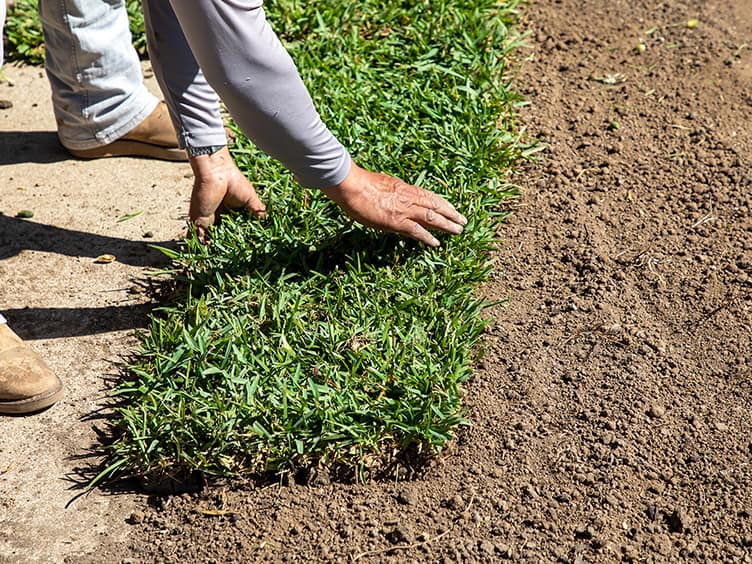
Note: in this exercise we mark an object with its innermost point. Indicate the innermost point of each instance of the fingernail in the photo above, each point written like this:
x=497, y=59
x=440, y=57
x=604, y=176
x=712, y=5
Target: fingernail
x=463, y=219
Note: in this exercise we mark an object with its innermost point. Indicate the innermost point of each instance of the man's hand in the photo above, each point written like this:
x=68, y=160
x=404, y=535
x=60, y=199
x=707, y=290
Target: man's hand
x=218, y=186
x=389, y=204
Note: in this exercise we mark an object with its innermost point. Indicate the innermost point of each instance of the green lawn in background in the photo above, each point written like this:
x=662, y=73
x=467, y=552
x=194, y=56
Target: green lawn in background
x=307, y=339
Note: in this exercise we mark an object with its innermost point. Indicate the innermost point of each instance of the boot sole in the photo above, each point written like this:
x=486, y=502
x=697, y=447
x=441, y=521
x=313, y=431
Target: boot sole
x=128, y=148
x=32, y=404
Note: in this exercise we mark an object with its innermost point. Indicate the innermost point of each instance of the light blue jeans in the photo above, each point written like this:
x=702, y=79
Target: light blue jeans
x=98, y=93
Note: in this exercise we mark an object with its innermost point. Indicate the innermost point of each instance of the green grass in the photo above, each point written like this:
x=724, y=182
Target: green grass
x=23, y=31
x=306, y=339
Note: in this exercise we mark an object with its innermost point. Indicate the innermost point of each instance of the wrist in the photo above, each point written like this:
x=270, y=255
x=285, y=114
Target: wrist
x=205, y=150
x=209, y=163
x=351, y=184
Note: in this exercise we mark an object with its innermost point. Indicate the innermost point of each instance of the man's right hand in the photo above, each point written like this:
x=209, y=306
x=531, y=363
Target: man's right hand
x=389, y=204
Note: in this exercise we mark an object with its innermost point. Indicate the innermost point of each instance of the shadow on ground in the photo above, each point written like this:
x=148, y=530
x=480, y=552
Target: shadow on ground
x=58, y=322
x=31, y=147
x=18, y=235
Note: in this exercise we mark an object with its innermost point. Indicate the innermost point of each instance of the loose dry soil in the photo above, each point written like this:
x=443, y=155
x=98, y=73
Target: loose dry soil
x=611, y=410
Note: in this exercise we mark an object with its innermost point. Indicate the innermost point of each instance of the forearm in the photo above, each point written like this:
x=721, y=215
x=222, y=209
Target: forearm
x=257, y=80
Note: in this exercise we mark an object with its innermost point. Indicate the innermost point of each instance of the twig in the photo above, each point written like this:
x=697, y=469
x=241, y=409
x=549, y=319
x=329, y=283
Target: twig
x=216, y=512
x=705, y=219
x=417, y=544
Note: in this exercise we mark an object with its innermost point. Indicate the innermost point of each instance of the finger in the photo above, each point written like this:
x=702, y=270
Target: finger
x=419, y=233
x=434, y=220
x=254, y=204
x=203, y=235
x=201, y=225
x=433, y=201
x=447, y=210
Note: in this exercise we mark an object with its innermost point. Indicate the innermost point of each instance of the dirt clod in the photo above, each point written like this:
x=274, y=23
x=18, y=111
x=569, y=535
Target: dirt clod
x=678, y=522
x=656, y=411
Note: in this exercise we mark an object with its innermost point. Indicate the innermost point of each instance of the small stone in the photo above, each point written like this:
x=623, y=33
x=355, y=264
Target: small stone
x=148, y=235
x=656, y=411
x=505, y=550
x=135, y=518
x=656, y=487
x=600, y=543
x=630, y=553
x=5, y=104
x=583, y=532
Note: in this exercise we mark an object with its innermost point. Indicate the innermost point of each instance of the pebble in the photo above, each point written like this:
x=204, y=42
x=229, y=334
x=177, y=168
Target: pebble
x=630, y=553
x=657, y=487
x=656, y=411
x=136, y=518
x=600, y=543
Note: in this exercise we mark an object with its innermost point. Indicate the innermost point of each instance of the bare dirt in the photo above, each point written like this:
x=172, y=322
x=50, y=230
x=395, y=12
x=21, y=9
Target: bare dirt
x=611, y=410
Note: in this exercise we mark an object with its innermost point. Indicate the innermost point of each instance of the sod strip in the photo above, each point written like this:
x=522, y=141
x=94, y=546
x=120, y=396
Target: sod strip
x=307, y=339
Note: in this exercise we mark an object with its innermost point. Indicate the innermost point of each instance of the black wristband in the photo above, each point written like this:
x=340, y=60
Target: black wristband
x=207, y=150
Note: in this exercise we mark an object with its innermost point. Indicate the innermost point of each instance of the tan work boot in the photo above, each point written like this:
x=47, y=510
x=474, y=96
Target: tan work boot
x=26, y=382
x=153, y=138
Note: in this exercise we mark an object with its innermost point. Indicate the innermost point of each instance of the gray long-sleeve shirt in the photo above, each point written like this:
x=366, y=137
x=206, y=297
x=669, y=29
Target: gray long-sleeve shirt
x=243, y=60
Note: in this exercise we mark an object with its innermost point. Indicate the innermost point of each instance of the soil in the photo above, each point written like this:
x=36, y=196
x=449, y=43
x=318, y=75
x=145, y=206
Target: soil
x=611, y=409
